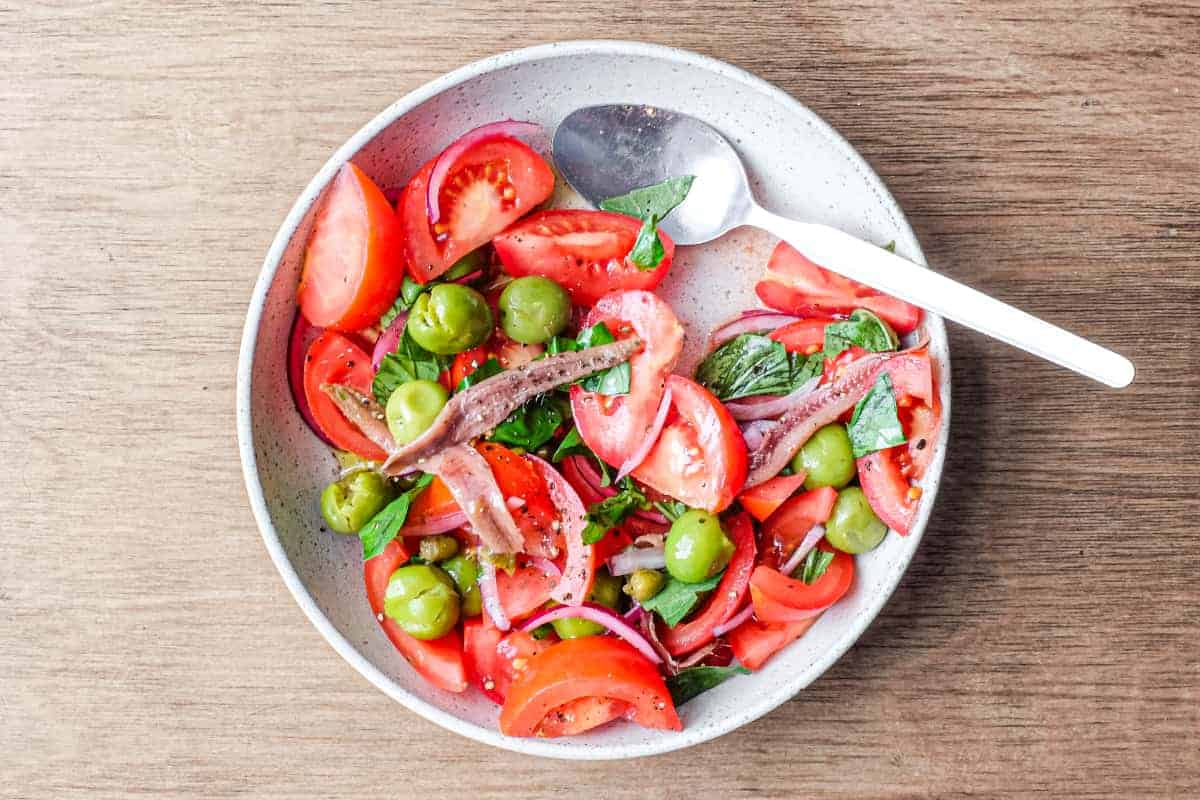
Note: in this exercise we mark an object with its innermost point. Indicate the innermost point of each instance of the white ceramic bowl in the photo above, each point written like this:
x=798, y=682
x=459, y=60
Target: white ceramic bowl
x=798, y=166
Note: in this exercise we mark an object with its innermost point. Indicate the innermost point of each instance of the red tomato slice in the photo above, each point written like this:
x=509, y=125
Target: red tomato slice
x=922, y=424
x=436, y=501
x=580, y=716
x=333, y=358
x=494, y=657
x=526, y=590
x=700, y=457
x=779, y=598
x=537, y=515
x=466, y=363
x=887, y=489
x=490, y=186
x=725, y=601
x=763, y=500
x=586, y=252
x=439, y=661
x=785, y=529
x=353, y=265
x=613, y=427
x=594, y=666
x=805, y=337
x=753, y=642
x=798, y=286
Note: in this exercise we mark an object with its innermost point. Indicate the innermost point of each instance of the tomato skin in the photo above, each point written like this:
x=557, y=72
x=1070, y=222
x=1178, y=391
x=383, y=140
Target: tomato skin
x=493, y=656
x=586, y=252
x=804, y=337
x=754, y=642
x=725, y=600
x=613, y=427
x=473, y=208
x=334, y=358
x=798, y=286
x=778, y=598
x=465, y=363
x=887, y=489
x=352, y=265
x=922, y=424
x=785, y=529
x=763, y=500
x=524, y=591
x=700, y=457
x=580, y=716
x=439, y=661
x=594, y=666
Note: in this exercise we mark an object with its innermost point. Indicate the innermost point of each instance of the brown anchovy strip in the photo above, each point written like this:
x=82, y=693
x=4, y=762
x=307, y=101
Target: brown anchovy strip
x=363, y=411
x=813, y=411
x=471, y=482
x=485, y=405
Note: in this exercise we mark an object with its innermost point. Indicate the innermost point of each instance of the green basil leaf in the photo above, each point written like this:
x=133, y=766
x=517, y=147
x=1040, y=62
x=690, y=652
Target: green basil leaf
x=752, y=364
x=698, y=680
x=875, y=424
x=385, y=525
x=890, y=246
x=410, y=362
x=677, y=599
x=648, y=251
x=561, y=344
x=612, y=381
x=482, y=372
x=531, y=425
x=672, y=509
x=612, y=511
x=650, y=204
x=864, y=330
x=814, y=566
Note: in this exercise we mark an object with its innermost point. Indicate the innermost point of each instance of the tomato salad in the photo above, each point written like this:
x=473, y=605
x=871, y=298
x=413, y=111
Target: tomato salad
x=549, y=513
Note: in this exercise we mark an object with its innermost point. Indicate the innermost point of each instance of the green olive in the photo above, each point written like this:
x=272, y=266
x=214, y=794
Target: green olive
x=854, y=527
x=826, y=458
x=465, y=571
x=350, y=503
x=697, y=547
x=422, y=600
x=449, y=319
x=413, y=407
x=533, y=309
x=438, y=548
x=644, y=584
x=607, y=592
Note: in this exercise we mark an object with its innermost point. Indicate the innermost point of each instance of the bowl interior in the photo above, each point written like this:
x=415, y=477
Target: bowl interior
x=798, y=166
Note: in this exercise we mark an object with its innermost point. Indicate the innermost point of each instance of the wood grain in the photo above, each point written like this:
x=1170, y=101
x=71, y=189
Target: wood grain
x=1044, y=641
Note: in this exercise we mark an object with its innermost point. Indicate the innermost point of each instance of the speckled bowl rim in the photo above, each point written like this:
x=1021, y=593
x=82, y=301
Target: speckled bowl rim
x=759, y=704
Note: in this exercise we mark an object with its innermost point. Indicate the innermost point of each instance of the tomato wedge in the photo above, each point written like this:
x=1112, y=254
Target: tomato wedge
x=594, y=666
x=491, y=185
x=334, y=358
x=778, y=598
x=887, y=489
x=465, y=363
x=725, y=601
x=798, y=286
x=580, y=716
x=523, y=591
x=922, y=424
x=536, y=516
x=439, y=661
x=493, y=657
x=613, y=427
x=700, y=457
x=753, y=642
x=586, y=252
x=785, y=529
x=353, y=265
x=806, y=336
x=763, y=500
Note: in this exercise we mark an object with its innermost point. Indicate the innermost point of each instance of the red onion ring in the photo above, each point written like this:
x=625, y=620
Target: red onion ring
x=435, y=525
x=731, y=623
x=601, y=615
x=814, y=535
x=631, y=559
x=468, y=277
x=768, y=406
x=579, y=482
x=652, y=516
x=591, y=476
x=640, y=452
x=387, y=341
x=489, y=592
x=635, y=614
x=505, y=129
x=545, y=565
x=754, y=321
x=302, y=335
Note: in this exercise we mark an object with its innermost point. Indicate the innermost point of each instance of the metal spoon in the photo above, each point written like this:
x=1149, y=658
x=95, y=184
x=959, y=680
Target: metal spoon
x=606, y=151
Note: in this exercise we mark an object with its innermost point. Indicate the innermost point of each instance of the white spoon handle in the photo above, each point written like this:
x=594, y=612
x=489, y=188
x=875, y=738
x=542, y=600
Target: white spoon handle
x=899, y=277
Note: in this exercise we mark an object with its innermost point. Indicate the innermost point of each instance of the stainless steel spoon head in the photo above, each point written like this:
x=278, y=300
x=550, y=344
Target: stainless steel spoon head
x=606, y=151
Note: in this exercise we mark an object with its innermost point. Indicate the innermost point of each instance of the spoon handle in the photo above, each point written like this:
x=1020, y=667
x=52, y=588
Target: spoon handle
x=899, y=277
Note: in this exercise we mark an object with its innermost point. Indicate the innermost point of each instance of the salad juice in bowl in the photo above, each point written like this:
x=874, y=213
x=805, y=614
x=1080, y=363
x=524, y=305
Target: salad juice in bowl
x=544, y=477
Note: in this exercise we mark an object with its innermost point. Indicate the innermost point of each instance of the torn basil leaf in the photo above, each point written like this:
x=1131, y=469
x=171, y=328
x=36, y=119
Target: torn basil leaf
x=386, y=525
x=863, y=329
x=677, y=599
x=410, y=362
x=650, y=204
x=533, y=424
x=814, y=566
x=753, y=364
x=612, y=511
x=698, y=680
x=875, y=424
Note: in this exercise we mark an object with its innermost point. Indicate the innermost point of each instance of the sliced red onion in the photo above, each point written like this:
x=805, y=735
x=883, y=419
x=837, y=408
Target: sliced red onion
x=640, y=452
x=755, y=321
x=631, y=559
x=652, y=516
x=580, y=568
x=387, y=341
x=591, y=476
x=814, y=535
x=303, y=334
x=489, y=592
x=583, y=487
x=435, y=525
x=545, y=565
x=635, y=613
x=731, y=623
x=468, y=277
x=769, y=406
x=601, y=615
x=754, y=431
x=505, y=129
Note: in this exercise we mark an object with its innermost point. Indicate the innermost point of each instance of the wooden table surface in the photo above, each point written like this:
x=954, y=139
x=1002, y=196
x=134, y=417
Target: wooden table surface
x=1045, y=640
